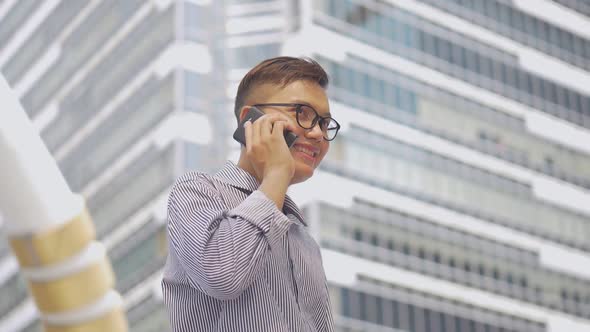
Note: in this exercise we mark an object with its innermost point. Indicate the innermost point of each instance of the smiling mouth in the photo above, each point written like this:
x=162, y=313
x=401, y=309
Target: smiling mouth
x=305, y=151
x=306, y=156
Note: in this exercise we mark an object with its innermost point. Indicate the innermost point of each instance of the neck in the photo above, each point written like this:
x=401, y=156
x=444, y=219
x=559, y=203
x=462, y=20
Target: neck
x=245, y=164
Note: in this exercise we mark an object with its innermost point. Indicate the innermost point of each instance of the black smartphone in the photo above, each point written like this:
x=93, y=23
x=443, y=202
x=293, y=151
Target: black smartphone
x=253, y=114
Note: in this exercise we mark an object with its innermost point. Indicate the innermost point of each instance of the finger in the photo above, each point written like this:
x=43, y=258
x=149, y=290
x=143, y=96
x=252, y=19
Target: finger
x=289, y=122
x=259, y=127
x=279, y=117
x=278, y=128
x=266, y=126
x=248, y=133
x=289, y=125
x=274, y=117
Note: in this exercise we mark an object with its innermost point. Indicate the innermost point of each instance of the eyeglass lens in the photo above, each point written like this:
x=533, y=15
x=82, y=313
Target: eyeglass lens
x=308, y=118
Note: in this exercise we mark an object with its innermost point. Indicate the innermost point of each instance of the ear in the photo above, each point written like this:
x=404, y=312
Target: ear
x=243, y=112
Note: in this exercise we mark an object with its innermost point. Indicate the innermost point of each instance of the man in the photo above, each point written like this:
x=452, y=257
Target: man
x=240, y=257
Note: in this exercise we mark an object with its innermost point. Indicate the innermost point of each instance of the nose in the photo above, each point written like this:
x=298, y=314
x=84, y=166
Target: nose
x=315, y=132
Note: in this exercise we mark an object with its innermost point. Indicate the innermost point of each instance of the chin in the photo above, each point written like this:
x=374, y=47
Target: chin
x=302, y=173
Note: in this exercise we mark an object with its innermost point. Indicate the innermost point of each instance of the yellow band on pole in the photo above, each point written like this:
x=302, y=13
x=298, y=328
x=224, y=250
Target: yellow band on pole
x=55, y=245
x=112, y=321
x=75, y=290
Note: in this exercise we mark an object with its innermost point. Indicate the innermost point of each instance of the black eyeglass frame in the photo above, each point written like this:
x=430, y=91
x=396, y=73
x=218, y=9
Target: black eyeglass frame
x=298, y=107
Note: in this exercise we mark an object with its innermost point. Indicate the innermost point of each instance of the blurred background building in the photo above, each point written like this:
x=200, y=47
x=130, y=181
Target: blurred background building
x=456, y=198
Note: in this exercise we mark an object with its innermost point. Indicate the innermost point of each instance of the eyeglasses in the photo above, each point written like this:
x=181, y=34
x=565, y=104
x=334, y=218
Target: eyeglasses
x=307, y=118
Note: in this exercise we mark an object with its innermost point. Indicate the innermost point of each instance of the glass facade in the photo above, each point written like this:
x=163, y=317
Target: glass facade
x=580, y=6
x=387, y=236
x=82, y=45
x=108, y=77
x=372, y=306
x=131, y=189
x=125, y=127
x=401, y=33
x=18, y=13
x=148, y=316
x=139, y=258
x=515, y=24
x=39, y=41
x=420, y=105
x=249, y=56
x=449, y=183
x=13, y=291
x=112, y=100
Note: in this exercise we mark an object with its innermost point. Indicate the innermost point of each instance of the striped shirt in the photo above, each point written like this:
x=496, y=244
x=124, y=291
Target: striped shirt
x=237, y=263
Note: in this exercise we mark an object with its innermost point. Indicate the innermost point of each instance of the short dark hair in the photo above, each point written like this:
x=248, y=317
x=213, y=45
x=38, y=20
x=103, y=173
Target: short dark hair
x=282, y=71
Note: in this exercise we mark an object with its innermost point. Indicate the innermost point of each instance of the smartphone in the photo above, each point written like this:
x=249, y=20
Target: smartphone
x=253, y=114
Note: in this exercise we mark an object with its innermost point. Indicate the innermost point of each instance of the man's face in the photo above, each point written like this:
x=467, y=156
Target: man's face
x=301, y=92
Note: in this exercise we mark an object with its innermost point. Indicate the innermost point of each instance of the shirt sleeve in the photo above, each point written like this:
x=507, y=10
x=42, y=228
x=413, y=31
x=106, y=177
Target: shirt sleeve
x=222, y=250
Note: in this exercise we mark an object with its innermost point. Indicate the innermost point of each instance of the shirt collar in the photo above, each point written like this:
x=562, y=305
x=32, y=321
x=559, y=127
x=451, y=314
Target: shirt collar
x=235, y=176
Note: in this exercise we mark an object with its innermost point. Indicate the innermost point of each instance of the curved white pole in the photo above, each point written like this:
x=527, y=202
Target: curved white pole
x=51, y=233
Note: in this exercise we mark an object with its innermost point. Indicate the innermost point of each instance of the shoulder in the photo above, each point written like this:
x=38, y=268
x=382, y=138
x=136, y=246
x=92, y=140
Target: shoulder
x=193, y=177
x=193, y=182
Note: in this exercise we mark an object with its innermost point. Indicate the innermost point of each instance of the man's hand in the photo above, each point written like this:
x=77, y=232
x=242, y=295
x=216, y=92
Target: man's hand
x=269, y=154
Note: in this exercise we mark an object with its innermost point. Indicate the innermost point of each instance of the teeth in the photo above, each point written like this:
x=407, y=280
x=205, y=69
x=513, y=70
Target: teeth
x=306, y=151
